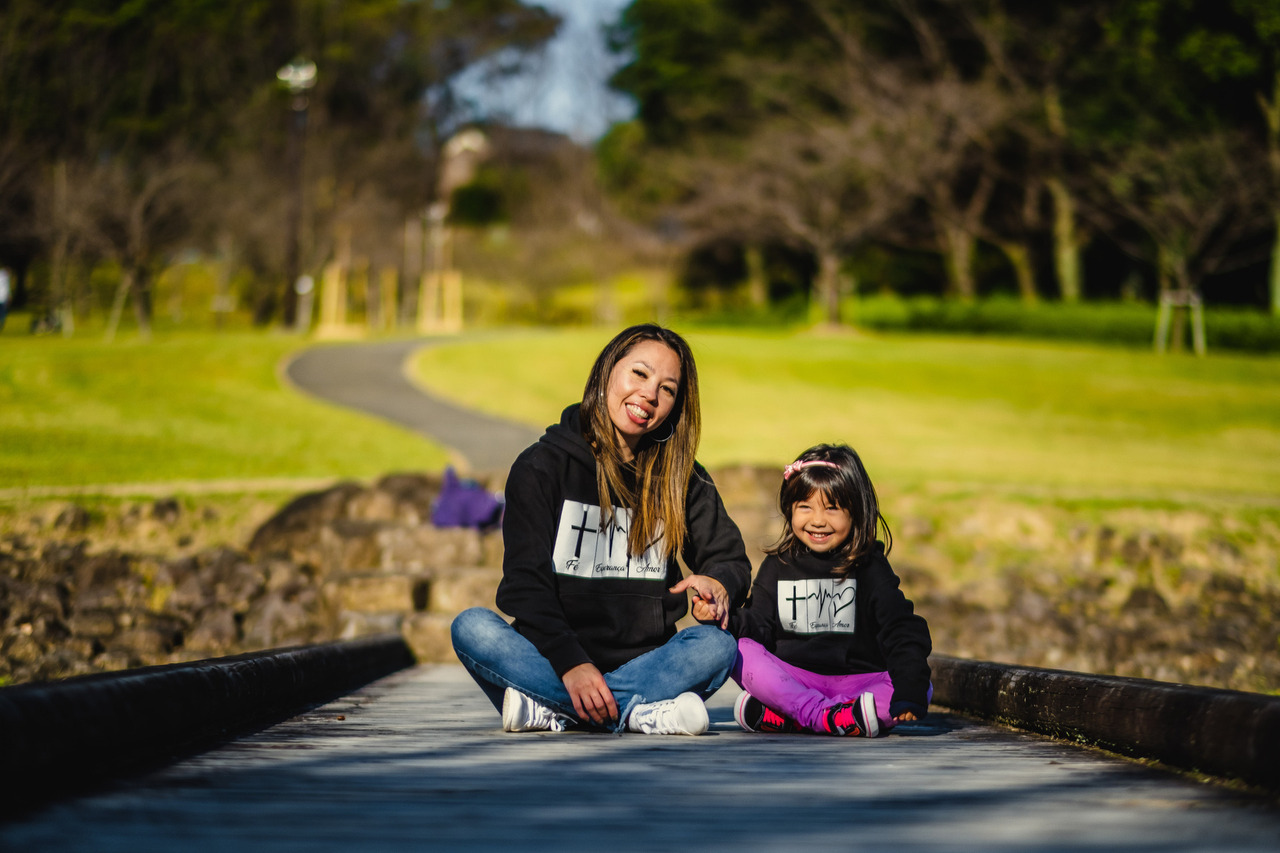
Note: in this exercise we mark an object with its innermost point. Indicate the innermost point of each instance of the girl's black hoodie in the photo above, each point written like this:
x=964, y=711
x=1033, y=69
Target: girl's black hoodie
x=571, y=587
x=810, y=618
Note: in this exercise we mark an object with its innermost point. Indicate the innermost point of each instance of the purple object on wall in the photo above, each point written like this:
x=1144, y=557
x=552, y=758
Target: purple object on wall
x=465, y=503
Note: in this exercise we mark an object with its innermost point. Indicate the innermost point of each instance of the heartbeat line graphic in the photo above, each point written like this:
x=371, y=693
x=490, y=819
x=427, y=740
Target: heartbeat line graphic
x=826, y=598
x=817, y=605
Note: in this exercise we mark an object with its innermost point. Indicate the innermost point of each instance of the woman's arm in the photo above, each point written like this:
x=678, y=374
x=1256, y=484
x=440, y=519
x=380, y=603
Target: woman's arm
x=528, y=590
x=713, y=544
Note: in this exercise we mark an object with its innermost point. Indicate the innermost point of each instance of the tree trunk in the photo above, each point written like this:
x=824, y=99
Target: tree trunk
x=1271, y=113
x=1066, y=236
x=1275, y=271
x=59, y=251
x=757, y=284
x=959, y=245
x=117, y=305
x=1066, y=242
x=1019, y=256
x=264, y=308
x=827, y=287
x=142, y=302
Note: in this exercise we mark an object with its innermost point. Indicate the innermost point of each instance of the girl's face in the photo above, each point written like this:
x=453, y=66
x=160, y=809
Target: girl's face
x=820, y=524
x=642, y=392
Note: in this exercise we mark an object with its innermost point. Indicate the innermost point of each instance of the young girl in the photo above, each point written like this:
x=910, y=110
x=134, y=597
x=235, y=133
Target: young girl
x=827, y=642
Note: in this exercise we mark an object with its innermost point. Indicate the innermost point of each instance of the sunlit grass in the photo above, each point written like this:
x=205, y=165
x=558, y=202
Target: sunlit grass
x=920, y=410
x=190, y=406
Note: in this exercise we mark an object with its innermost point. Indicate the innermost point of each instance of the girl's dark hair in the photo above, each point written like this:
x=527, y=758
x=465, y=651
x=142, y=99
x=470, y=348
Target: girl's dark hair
x=663, y=463
x=848, y=487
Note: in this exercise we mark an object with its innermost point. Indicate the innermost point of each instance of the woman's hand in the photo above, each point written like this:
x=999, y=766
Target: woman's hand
x=711, y=593
x=592, y=698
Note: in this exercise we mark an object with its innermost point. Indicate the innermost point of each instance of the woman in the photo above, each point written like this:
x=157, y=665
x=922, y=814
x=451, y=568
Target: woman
x=597, y=511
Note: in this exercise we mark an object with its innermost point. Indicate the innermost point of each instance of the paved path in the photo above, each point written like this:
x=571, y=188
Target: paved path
x=370, y=377
x=417, y=762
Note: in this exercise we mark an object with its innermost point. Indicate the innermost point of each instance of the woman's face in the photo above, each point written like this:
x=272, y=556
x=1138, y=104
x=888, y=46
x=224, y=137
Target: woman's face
x=642, y=392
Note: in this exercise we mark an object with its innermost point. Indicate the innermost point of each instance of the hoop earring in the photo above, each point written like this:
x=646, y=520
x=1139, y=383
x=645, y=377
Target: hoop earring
x=671, y=430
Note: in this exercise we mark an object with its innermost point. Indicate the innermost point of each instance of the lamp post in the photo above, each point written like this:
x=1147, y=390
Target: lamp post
x=298, y=77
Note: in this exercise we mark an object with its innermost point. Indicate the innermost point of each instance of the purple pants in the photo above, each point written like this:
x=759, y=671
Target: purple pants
x=804, y=696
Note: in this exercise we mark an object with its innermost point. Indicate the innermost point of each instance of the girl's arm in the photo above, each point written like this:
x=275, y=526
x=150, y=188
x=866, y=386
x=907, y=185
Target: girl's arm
x=758, y=618
x=903, y=636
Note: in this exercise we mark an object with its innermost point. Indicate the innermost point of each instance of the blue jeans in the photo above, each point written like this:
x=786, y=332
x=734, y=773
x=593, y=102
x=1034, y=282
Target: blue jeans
x=697, y=659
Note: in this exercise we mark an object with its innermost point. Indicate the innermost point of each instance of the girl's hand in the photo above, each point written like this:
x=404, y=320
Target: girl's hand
x=702, y=611
x=592, y=698
x=905, y=715
x=711, y=593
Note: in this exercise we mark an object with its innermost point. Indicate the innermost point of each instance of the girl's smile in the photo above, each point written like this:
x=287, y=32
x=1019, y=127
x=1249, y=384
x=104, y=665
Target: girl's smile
x=819, y=524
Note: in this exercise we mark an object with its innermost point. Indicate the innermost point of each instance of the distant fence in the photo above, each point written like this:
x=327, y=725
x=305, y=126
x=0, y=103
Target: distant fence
x=61, y=737
x=1222, y=733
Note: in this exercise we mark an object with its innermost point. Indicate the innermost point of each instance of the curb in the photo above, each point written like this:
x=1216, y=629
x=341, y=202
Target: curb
x=61, y=737
x=1222, y=733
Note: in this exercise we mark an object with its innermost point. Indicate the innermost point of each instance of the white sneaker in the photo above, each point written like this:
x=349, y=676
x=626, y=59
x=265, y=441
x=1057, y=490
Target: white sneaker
x=522, y=714
x=683, y=715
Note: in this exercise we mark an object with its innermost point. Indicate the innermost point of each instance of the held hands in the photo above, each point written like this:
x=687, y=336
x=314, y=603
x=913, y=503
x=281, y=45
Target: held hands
x=592, y=698
x=710, y=599
x=702, y=611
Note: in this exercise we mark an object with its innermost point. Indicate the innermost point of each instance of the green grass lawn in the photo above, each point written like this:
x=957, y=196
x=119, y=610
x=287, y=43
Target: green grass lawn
x=1067, y=418
x=1097, y=421
x=185, y=406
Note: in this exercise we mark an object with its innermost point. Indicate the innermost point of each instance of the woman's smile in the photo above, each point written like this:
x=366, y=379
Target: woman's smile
x=642, y=392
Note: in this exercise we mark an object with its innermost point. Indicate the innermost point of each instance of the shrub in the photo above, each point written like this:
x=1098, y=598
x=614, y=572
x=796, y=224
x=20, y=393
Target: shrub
x=1123, y=323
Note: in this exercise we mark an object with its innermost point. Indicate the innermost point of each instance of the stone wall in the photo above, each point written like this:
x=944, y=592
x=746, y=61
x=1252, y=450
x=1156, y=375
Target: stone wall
x=1184, y=596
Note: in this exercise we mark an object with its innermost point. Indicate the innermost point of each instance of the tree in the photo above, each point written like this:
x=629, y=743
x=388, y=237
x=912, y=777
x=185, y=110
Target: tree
x=1192, y=199
x=850, y=114
x=133, y=81
x=1046, y=55
x=130, y=216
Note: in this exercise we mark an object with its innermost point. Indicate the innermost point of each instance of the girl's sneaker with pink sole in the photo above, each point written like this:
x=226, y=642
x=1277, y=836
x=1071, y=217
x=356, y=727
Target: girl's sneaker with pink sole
x=854, y=719
x=755, y=716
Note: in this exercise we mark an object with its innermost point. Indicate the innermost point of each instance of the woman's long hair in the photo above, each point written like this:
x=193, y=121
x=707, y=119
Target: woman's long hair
x=663, y=463
x=847, y=486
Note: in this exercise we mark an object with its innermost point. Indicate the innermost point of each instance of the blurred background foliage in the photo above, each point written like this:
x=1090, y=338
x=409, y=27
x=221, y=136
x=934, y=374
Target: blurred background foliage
x=1046, y=169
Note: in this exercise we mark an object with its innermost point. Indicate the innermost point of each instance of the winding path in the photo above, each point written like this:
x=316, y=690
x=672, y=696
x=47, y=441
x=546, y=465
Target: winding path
x=371, y=378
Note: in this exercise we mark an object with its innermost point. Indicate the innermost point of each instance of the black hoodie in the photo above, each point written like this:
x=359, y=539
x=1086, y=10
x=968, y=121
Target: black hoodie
x=811, y=619
x=572, y=588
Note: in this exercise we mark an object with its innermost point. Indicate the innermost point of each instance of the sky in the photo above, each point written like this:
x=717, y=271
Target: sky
x=565, y=89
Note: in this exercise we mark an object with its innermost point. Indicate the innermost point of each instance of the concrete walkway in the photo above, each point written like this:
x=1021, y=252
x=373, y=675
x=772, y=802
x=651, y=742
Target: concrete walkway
x=370, y=377
x=417, y=762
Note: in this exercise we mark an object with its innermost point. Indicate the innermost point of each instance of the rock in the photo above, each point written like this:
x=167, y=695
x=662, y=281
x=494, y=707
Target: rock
x=412, y=494
x=354, y=624
x=428, y=636
x=214, y=632
x=72, y=517
x=296, y=523
x=166, y=510
x=451, y=592
x=346, y=545
x=93, y=624
x=426, y=547
x=375, y=593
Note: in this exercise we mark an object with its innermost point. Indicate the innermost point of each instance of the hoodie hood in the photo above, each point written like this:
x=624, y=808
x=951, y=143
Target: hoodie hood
x=567, y=436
